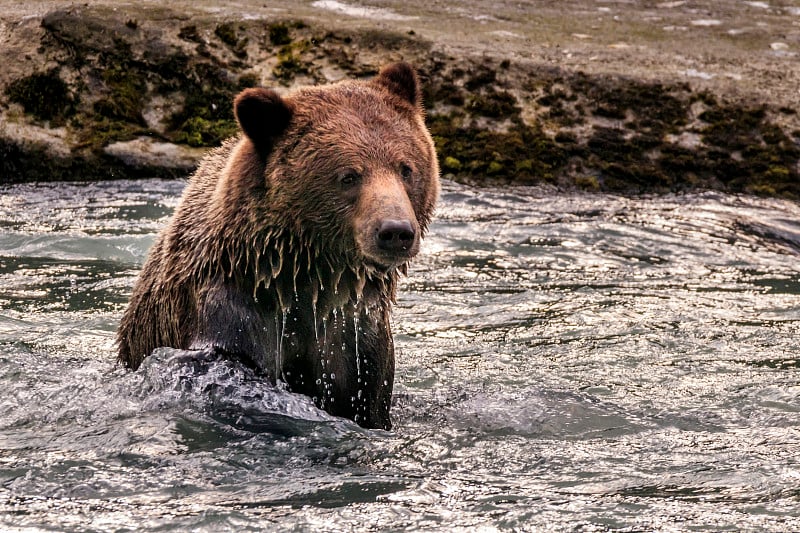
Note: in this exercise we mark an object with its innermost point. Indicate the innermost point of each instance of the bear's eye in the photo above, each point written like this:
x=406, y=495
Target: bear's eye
x=406, y=172
x=349, y=178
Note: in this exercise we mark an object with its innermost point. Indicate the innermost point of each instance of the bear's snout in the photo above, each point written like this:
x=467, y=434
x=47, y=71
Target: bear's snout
x=387, y=231
x=395, y=236
x=392, y=241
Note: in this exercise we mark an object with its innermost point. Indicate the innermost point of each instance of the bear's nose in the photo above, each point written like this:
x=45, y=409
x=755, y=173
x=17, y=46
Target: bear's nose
x=395, y=235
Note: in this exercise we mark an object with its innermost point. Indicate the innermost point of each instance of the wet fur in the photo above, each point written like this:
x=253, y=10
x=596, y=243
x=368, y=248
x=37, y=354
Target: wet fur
x=263, y=257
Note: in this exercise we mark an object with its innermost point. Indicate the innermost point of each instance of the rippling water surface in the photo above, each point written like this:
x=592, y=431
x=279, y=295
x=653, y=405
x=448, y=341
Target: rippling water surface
x=565, y=362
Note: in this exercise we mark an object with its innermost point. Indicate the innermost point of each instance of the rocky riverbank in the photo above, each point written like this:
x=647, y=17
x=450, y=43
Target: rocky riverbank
x=101, y=90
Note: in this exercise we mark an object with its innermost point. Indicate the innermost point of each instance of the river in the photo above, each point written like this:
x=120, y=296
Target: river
x=565, y=362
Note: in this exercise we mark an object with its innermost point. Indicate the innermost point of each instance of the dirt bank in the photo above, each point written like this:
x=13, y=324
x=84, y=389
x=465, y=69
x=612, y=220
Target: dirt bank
x=628, y=97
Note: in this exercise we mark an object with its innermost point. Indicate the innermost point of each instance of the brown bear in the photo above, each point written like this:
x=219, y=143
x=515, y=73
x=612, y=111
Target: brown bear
x=286, y=247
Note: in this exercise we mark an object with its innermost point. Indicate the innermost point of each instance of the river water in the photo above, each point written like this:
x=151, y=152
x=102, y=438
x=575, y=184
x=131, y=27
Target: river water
x=565, y=362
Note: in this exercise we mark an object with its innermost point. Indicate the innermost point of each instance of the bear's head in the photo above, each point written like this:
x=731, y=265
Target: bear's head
x=350, y=165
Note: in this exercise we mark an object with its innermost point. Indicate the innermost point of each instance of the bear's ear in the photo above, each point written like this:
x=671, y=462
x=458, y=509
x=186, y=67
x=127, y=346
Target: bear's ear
x=262, y=115
x=401, y=79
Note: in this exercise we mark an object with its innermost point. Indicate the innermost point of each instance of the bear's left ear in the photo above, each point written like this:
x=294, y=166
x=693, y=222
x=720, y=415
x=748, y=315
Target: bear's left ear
x=401, y=79
x=262, y=114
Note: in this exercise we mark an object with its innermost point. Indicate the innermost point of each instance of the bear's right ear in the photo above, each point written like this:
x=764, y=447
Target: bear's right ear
x=401, y=80
x=262, y=115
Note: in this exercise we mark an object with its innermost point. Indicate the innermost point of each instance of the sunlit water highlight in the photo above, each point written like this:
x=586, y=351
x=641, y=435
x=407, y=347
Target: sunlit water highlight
x=565, y=362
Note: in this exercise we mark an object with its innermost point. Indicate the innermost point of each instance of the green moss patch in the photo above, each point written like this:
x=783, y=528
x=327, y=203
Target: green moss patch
x=607, y=133
x=129, y=68
x=493, y=104
x=279, y=34
x=125, y=98
x=44, y=95
x=229, y=33
x=522, y=153
x=206, y=118
x=198, y=131
x=291, y=62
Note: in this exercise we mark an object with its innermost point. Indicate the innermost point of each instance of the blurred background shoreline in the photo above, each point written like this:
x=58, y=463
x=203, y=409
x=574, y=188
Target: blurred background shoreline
x=624, y=97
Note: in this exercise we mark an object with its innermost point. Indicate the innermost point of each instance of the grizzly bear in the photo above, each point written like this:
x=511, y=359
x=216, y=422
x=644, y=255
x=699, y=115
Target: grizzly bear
x=287, y=244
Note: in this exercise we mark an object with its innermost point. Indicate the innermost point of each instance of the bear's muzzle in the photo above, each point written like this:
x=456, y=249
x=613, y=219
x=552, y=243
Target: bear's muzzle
x=395, y=236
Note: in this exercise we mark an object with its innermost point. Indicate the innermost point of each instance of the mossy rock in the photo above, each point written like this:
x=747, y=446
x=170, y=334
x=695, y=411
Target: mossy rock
x=206, y=118
x=494, y=168
x=494, y=104
x=228, y=33
x=279, y=34
x=85, y=34
x=451, y=163
x=101, y=132
x=290, y=61
x=526, y=165
x=732, y=128
x=44, y=95
x=588, y=183
x=198, y=131
x=591, y=131
x=496, y=153
x=125, y=101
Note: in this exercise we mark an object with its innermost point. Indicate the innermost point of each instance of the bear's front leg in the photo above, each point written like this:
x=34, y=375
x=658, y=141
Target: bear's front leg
x=374, y=375
x=231, y=321
x=347, y=366
x=345, y=363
